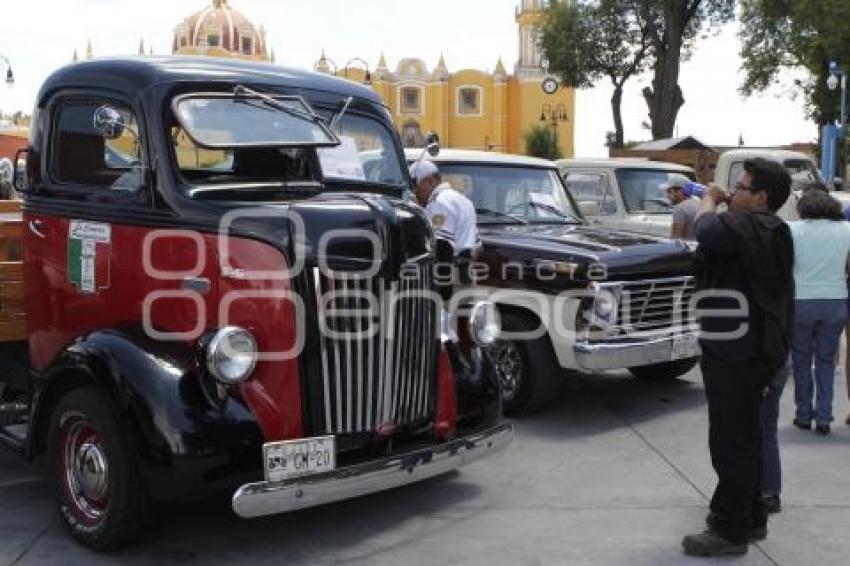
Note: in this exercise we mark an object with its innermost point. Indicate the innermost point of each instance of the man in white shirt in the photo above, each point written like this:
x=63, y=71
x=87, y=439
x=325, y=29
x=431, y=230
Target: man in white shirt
x=685, y=207
x=451, y=214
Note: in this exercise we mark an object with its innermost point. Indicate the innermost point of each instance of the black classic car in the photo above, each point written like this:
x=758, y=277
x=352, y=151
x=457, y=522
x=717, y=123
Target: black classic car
x=219, y=295
x=571, y=295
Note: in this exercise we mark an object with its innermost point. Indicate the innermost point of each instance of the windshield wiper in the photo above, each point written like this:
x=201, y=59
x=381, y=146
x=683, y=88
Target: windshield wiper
x=335, y=121
x=491, y=212
x=554, y=210
x=243, y=94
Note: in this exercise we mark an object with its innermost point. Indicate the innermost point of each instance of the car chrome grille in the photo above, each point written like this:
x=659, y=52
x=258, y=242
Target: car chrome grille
x=657, y=305
x=382, y=379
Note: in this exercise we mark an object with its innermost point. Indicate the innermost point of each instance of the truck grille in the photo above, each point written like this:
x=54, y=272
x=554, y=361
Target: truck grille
x=655, y=305
x=376, y=370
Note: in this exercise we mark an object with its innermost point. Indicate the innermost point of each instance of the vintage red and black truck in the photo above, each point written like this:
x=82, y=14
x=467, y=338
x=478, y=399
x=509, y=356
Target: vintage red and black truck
x=206, y=288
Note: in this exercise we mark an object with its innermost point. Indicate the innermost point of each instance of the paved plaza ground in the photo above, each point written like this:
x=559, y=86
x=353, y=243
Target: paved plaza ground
x=614, y=472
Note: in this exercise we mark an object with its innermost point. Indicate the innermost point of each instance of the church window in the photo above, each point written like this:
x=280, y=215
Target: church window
x=247, y=45
x=183, y=41
x=469, y=101
x=213, y=40
x=411, y=100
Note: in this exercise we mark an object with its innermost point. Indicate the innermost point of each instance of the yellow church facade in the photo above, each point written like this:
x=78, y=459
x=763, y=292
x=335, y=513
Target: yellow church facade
x=469, y=108
x=472, y=109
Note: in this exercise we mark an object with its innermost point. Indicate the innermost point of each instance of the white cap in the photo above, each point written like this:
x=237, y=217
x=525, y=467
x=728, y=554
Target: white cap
x=674, y=181
x=423, y=169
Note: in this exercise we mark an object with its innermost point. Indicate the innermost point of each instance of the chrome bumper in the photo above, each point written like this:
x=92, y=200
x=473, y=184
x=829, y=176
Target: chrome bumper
x=597, y=356
x=266, y=498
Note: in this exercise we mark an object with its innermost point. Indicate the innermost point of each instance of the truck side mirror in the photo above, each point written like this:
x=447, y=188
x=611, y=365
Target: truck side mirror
x=19, y=176
x=432, y=144
x=109, y=122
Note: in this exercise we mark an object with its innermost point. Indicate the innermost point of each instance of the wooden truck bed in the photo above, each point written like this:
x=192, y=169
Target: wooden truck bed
x=13, y=322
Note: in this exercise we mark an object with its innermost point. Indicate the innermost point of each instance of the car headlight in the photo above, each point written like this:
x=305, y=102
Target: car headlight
x=484, y=323
x=231, y=355
x=604, y=306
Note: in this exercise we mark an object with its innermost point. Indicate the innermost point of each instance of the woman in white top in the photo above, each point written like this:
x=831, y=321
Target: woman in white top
x=821, y=248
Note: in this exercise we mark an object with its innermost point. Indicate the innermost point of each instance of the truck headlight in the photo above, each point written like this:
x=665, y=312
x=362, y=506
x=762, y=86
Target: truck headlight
x=484, y=323
x=231, y=355
x=604, y=306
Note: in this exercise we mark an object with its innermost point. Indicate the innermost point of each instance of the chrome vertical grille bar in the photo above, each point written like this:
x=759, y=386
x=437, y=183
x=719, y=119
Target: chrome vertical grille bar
x=390, y=365
x=340, y=422
x=347, y=285
x=317, y=287
x=410, y=350
x=358, y=337
x=382, y=352
x=370, y=359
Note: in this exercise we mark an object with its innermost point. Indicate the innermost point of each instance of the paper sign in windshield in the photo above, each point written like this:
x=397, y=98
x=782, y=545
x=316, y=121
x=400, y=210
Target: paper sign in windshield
x=342, y=161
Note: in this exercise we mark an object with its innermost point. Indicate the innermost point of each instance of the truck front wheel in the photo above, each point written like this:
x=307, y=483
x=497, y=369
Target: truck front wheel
x=526, y=369
x=99, y=492
x=664, y=371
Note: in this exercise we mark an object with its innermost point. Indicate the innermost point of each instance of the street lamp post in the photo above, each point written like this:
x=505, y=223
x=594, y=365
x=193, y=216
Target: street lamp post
x=831, y=133
x=367, y=79
x=553, y=117
x=10, y=77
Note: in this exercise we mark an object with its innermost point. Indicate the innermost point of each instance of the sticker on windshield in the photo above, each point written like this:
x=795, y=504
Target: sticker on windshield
x=89, y=248
x=342, y=161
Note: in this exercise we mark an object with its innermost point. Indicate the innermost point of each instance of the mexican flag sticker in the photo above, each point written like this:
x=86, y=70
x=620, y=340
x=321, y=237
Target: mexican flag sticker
x=89, y=247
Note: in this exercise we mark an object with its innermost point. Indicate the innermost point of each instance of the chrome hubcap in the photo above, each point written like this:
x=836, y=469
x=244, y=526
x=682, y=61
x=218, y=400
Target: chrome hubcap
x=86, y=469
x=507, y=363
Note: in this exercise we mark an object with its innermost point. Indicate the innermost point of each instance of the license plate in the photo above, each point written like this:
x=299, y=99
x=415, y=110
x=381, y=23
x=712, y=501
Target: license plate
x=294, y=458
x=684, y=347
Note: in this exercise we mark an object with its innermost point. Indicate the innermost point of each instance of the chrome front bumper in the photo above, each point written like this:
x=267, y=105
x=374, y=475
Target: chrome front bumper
x=597, y=356
x=266, y=498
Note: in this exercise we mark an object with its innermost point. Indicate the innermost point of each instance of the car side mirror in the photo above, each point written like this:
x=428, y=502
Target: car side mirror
x=109, y=122
x=589, y=208
x=432, y=144
x=19, y=175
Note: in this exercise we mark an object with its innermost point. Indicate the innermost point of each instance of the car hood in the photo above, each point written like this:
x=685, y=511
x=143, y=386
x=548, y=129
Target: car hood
x=625, y=255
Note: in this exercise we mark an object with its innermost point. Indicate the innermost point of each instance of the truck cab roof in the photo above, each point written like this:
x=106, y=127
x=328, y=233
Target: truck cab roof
x=130, y=75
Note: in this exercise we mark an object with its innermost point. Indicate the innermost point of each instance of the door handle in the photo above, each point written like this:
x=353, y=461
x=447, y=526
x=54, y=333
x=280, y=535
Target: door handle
x=38, y=228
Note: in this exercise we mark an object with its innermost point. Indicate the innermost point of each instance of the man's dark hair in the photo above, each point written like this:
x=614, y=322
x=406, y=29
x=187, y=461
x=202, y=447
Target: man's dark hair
x=772, y=178
x=818, y=205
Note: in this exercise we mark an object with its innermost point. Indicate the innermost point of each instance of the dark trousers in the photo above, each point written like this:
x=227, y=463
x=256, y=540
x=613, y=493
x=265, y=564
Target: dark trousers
x=735, y=393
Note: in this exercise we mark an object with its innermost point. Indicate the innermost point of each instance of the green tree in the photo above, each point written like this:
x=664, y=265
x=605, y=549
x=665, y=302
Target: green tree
x=542, y=142
x=806, y=35
x=674, y=28
x=586, y=42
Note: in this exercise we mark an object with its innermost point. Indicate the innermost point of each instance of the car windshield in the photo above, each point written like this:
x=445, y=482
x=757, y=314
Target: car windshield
x=803, y=170
x=642, y=190
x=512, y=194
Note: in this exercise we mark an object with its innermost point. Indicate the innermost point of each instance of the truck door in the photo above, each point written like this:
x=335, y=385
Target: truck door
x=86, y=226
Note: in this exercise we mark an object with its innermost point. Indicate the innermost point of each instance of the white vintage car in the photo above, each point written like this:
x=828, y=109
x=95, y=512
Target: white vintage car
x=624, y=193
x=801, y=166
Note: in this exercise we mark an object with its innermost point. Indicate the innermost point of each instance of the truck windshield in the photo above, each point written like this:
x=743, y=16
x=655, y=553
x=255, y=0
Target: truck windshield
x=364, y=152
x=642, y=190
x=510, y=194
x=226, y=121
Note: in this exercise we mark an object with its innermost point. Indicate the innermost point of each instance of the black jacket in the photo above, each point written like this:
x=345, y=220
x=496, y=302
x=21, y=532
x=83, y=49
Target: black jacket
x=752, y=253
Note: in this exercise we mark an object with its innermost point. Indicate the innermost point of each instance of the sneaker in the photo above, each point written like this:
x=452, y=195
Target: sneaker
x=708, y=544
x=822, y=430
x=802, y=424
x=755, y=534
x=772, y=504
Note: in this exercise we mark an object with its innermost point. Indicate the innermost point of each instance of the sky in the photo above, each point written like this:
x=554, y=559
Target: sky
x=42, y=35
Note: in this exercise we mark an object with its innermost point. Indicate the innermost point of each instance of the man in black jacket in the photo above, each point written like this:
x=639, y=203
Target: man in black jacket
x=744, y=262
